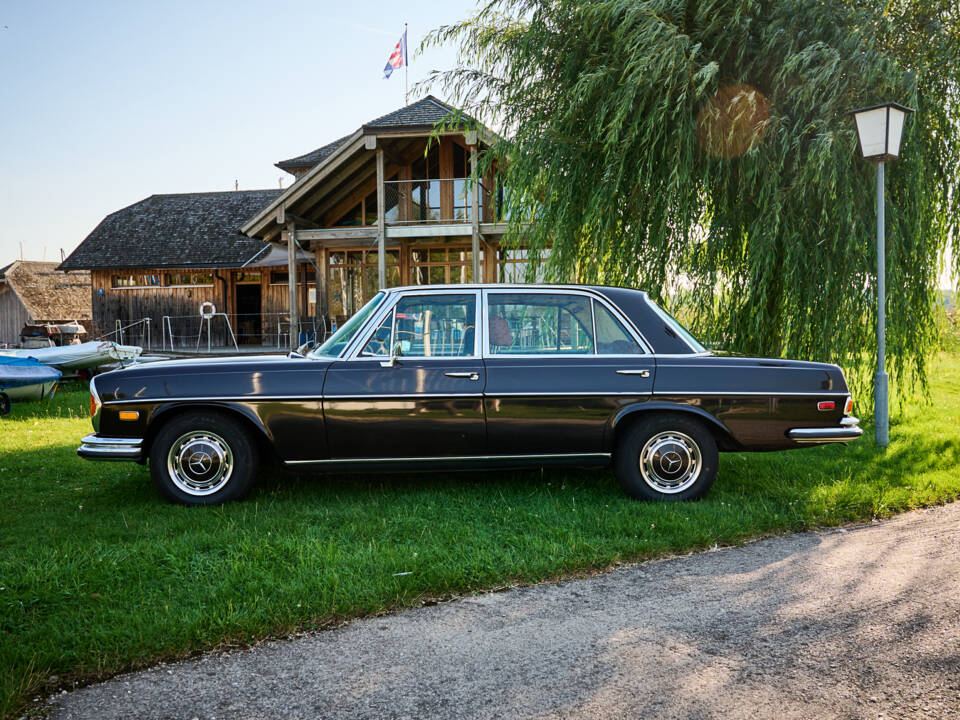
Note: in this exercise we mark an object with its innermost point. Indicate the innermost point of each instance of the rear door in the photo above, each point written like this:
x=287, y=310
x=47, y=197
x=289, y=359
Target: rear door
x=426, y=404
x=560, y=363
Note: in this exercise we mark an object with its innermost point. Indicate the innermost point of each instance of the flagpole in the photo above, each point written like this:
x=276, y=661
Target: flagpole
x=406, y=68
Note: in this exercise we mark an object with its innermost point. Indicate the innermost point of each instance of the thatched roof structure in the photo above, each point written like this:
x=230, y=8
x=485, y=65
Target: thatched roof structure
x=48, y=294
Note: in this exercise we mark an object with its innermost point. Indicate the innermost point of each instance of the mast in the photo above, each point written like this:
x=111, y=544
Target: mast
x=406, y=68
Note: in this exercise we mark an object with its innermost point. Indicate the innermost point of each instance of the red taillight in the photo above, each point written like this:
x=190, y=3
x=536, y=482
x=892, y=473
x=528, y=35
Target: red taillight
x=824, y=405
x=93, y=405
x=848, y=408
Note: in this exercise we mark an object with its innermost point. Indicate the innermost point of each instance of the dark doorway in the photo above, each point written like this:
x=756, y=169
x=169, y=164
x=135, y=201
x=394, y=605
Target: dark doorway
x=249, y=326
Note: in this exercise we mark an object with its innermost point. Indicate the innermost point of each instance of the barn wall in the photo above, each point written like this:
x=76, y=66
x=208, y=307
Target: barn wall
x=130, y=305
x=13, y=316
x=183, y=306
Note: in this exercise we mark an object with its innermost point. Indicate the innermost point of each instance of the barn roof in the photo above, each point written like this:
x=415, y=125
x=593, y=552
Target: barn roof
x=47, y=293
x=421, y=115
x=181, y=230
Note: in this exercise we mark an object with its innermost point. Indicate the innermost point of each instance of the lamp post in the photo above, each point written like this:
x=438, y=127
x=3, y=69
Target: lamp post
x=879, y=129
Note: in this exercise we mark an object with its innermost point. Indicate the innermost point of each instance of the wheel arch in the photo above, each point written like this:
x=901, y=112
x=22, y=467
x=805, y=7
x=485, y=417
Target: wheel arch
x=631, y=414
x=249, y=419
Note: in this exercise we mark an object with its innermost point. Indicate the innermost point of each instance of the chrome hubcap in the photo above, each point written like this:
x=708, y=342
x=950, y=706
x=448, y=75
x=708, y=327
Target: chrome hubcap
x=670, y=462
x=200, y=462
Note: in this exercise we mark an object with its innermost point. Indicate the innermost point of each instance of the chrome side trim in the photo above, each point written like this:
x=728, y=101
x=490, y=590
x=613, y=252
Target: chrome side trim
x=452, y=458
x=215, y=398
x=320, y=398
x=94, y=447
x=641, y=373
x=738, y=393
x=403, y=396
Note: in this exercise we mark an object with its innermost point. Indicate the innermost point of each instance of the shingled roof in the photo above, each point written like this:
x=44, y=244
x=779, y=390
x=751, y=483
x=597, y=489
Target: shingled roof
x=47, y=293
x=183, y=230
x=421, y=115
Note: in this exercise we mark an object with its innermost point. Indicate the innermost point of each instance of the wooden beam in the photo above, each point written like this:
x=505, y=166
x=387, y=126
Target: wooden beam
x=446, y=172
x=358, y=234
x=292, y=284
x=475, y=213
x=381, y=223
x=323, y=188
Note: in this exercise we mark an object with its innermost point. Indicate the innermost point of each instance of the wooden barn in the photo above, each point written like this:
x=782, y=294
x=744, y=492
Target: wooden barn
x=394, y=203
x=161, y=259
x=37, y=293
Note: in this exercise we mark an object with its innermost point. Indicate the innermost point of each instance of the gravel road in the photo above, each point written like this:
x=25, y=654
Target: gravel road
x=863, y=622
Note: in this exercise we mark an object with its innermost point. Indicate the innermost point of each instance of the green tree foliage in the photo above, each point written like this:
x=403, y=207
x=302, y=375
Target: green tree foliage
x=702, y=150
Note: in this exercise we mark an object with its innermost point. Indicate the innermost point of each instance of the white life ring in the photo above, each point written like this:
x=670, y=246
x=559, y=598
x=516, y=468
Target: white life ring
x=207, y=310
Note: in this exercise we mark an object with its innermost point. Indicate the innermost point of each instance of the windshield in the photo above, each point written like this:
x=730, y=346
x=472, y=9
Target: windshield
x=336, y=343
x=677, y=328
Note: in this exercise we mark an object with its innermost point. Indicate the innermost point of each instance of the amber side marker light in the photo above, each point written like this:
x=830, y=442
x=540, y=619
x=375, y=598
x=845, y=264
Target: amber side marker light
x=848, y=408
x=129, y=414
x=93, y=405
x=825, y=405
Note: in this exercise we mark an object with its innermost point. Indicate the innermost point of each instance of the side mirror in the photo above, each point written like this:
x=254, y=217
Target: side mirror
x=397, y=352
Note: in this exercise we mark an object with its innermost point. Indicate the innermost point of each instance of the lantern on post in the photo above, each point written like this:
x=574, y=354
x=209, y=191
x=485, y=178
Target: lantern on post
x=879, y=130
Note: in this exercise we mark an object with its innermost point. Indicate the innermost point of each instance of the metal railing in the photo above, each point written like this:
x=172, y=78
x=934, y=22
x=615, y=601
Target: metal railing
x=122, y=335
x=232, y=331
x=443, y=200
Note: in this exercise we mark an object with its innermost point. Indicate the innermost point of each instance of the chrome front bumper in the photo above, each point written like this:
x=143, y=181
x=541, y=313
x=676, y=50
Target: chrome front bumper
x=94, y=447
x=846, y=432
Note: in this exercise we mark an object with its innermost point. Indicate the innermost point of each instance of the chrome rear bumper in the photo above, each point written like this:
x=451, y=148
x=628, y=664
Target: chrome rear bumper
x=94, y=447
x=846, y=432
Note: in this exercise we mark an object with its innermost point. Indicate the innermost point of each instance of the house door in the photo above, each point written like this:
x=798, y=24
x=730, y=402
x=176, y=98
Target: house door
x=249, y=320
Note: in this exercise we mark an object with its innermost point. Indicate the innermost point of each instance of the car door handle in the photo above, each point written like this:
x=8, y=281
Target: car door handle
x=641, y=373
x=467, y=375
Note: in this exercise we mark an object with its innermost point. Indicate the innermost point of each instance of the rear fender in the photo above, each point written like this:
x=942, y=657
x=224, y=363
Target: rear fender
x=630, y=412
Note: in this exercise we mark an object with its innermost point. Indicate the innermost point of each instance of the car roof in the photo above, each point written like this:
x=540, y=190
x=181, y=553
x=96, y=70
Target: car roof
x=512, y=286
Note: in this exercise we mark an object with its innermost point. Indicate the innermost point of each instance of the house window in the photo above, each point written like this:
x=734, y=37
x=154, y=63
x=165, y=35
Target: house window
x=248, y=277
x=353, y=279
x=513, y=264
x=186, y=279
x=279, y=277
x=442, y=265
x=135, y=280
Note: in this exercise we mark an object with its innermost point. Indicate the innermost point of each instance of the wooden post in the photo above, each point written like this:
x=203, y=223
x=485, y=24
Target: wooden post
x=381, y=222
x=292, y=284
x=323, y=308
x=475, y=213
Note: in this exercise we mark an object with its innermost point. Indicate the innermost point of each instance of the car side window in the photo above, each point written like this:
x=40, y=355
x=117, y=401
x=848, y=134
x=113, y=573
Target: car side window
x=539, y=324
x=612, y=336
x=440, y=325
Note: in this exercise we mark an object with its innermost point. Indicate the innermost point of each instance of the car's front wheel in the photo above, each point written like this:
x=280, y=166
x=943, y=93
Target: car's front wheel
x=203, y=458
x=666, y=457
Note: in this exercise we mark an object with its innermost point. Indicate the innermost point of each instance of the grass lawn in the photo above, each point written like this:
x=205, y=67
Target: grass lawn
x=97, y=574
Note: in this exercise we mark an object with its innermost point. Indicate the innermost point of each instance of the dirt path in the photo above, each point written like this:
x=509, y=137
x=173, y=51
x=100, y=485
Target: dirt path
x=840, y=624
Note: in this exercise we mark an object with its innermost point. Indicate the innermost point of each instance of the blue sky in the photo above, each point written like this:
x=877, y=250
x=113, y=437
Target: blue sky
x=105, y=103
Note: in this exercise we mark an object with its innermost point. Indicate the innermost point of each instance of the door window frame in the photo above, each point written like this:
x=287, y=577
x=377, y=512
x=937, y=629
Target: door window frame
x=487, y=351
x=353, y=352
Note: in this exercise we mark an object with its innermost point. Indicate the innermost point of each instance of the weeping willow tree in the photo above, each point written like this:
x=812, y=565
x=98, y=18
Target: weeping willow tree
x=702, y=150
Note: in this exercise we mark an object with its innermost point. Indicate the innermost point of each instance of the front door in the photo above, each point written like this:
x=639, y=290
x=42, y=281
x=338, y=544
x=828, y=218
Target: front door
x=248, y=314
x=426, y=403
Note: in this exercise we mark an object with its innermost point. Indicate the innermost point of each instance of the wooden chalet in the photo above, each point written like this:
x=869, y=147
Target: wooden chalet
x=36, y=293
x=393, y=203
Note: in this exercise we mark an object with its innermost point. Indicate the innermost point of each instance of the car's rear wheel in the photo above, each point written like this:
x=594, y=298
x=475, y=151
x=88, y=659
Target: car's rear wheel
x=203, y=459
x=666, y=457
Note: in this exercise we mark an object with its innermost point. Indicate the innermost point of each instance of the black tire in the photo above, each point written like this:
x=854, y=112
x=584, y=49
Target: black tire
x=666, y=457
x=189, y=452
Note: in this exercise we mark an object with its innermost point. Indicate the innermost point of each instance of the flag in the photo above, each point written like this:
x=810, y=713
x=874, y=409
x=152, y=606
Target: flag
x=398, y=58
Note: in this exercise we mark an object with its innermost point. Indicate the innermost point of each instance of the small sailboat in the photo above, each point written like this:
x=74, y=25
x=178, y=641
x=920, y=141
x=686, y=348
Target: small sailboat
x=79, y=357
x=25, y=379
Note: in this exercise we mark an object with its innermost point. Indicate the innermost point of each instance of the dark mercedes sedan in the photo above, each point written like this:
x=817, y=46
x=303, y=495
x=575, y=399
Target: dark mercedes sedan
x=471, y=376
